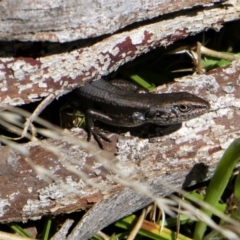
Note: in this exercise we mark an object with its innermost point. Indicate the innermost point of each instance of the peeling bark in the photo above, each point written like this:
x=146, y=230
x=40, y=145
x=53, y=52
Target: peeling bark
x=182, y=158
x=65, y=21
x=59, y=68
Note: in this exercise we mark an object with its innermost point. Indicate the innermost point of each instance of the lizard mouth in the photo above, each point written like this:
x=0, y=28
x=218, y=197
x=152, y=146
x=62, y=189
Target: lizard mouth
x=181, y=114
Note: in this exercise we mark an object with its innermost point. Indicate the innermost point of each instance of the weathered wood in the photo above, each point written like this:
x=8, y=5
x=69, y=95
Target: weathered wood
x=41, y=69
x=182, y=158
x=29, y=71
x=69, y=20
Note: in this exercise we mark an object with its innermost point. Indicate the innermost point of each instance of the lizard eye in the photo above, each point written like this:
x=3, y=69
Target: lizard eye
x=184, y=108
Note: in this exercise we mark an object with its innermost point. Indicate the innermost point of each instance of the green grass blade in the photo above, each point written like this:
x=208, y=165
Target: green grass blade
x=237, y=187
x=219, y=182
x=140, y=81
x=46, y=229
x=17, y=229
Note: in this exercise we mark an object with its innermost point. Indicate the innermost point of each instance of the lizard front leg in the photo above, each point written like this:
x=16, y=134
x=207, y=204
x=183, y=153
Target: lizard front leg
x=95, y=131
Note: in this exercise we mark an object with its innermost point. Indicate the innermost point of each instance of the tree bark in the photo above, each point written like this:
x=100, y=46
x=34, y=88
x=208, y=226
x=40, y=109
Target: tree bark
x=43, y=181
x=30, y=71
x=181, y=159
x=65, y=21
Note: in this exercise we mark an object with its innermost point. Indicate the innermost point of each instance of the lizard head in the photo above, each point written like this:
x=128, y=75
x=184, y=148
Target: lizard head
x=175, y=108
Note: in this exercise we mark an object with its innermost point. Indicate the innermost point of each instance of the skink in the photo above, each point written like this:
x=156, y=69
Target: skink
x=102, y=101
